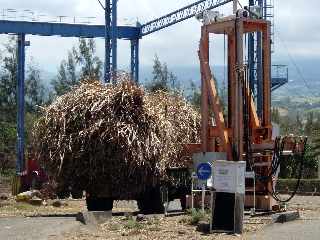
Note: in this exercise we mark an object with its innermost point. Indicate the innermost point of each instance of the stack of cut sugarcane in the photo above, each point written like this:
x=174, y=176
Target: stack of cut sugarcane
x=118, y=137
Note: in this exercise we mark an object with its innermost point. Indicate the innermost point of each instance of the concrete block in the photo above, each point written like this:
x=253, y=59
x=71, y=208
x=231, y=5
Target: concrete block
x=203, y=227
x=285, y=217
x=94, y=217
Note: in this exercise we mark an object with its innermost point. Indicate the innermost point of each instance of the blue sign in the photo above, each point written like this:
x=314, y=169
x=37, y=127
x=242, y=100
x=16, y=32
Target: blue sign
x=204, y=171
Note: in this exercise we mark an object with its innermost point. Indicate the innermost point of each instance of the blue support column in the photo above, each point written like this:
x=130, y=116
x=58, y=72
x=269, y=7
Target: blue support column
x=114, y=39
x=251, y=59
x=132, y=57
x=20, y=101
x=135, y=60
x=251, y=56
x=107, y=63
x=259, y=70
x=111, y=40
x=137, y=64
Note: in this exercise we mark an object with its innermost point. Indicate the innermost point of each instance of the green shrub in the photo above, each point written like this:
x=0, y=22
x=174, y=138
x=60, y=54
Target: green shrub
x=132, y=224
x=196, y=216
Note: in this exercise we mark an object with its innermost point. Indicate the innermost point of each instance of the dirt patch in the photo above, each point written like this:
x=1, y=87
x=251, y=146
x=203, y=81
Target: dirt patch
x=154, y=226
x=160, y=227
x=11, y=208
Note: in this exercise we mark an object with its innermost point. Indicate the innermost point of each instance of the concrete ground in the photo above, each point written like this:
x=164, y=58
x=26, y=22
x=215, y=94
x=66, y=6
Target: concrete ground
x=296, y=230
x=36, y=228
x=307, y=227
x=42, y=228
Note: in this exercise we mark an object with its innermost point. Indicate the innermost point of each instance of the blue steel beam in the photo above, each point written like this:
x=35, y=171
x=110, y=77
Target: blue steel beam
x=181, y=15
x=107, y=49
x=20, y=100
x=114, y=43
x=64, y=29
x=111, y=40
x=135, y=60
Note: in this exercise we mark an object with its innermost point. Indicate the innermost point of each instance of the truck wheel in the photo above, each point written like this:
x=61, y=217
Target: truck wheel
x=99, y=204
x=63, y=194
x=34, y=183
x=151, y=202
x=183, y=202
x=76, y=194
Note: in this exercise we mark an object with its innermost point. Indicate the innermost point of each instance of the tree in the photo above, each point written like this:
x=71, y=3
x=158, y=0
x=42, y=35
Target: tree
x=195, y=96
x=61, y=84
x=34, y=95
x=162, y=79
x=299, y=124
x=82, y=63
x=308, y=129
x=275, y=115
x=35, y=91
x=85, y=55
x=8, y=81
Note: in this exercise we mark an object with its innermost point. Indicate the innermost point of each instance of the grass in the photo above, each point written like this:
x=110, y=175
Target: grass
x=154, y=224
x=195, y=216
x=133, y=224
x=24, y=207
x=114, y=227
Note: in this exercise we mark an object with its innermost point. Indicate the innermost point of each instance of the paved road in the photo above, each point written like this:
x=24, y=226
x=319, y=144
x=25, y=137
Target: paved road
x=36, y=228
x=296, y=230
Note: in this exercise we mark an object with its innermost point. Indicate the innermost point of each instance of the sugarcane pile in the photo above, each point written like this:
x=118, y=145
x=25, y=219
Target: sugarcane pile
x=116, y=137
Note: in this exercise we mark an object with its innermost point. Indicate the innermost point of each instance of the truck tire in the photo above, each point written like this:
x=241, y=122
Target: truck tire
x=183, y=202
x=34, y=183
x=151, y=201
x=76, y=194
x=63, y=194
x=99, y=204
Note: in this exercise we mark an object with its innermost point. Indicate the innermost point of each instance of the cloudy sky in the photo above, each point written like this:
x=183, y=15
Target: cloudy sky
x=297, y=30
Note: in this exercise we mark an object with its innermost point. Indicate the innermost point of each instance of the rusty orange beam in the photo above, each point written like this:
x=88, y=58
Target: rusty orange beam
x=214, y=99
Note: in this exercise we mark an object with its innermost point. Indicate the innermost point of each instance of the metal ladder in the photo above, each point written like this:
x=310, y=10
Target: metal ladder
x=268, y=14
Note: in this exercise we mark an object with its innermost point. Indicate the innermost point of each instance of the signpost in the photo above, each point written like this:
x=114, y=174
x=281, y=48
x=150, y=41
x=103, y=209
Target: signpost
x=204, y=172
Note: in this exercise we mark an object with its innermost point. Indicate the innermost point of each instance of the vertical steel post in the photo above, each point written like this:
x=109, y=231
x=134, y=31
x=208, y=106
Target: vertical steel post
x=132, y=57
x=235, y=6
x=239, y=85
x=204, y=43
x=238, y=111
x=251, y=60
x=20, y=103
x=114, y=40
x=266, y=83
x=136, y=60
x=259, y=70
x=264, y=9
x=107, y=64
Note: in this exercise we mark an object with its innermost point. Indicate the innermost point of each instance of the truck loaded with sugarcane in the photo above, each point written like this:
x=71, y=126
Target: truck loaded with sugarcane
x=117, y=143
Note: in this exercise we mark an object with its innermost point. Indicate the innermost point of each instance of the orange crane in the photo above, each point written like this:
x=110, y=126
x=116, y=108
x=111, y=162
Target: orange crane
x=240, y=133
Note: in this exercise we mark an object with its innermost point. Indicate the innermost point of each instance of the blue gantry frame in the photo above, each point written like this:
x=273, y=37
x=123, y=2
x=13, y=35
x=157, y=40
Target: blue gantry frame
x=22, y=29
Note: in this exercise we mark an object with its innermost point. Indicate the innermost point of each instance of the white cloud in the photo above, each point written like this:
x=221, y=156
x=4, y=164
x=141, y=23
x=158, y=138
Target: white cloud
x=295, y=20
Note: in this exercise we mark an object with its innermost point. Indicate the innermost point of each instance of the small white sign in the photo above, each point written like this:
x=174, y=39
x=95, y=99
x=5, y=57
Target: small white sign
x=229, y=176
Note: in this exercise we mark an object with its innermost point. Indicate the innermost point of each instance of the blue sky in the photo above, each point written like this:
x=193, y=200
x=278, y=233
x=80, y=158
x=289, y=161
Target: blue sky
x=296, y=22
